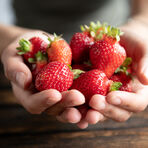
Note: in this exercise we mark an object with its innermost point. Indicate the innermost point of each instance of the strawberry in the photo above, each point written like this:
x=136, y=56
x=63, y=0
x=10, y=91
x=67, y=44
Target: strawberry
x=80, y=45
x=107, y=54
x=59, y=50
x=91, y=83
x=55, y=75
x=40, y=61
x=123, y=75
x=29, y=48
x=124, y=79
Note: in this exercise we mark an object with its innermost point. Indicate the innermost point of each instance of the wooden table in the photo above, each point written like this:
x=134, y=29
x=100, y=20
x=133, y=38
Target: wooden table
x=19, y=129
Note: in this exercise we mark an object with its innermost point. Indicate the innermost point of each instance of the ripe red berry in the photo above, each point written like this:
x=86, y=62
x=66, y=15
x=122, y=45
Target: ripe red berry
x=91, y=83
x=80, y=45
x=55, y=75
x=124, y=79
x=107, y=56
x=29, y=48
x=59, y=50
x=39, y=62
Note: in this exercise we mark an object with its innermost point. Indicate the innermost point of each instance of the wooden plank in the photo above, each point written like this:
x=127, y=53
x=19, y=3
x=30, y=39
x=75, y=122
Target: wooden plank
x=4, y=83
x=21, y=129
x=7, y=97
x=129, y=138
x=17, y=120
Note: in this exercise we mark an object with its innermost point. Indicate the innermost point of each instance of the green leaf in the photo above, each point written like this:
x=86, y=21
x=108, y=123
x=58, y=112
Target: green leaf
x=82, y=28
x=92, y=33
x=25, y=46
x=127, y=62
x=115, y=86
x=40, y=56
x=77, y=73
x=21, y=53
x=70, y=67
x=124, y=67
x=31, y=60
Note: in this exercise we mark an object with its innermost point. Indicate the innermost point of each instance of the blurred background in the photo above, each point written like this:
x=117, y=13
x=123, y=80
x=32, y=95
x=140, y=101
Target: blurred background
x=6, y=12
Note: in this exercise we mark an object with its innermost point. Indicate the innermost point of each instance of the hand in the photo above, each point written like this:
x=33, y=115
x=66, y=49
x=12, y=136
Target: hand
x=53, y=102
x=120, y=105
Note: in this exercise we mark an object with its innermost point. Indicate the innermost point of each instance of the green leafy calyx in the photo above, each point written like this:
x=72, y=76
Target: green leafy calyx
x=77, y=73
x=25, y=46
x=125, y=66
x=55, y=38
x=39, y=57
x=115, y=86
x=98, y=30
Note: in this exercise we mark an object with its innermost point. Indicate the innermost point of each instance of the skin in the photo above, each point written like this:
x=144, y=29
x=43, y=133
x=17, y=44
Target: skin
x=117, y=105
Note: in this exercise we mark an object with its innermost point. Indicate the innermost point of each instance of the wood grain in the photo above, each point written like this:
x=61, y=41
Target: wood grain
x=20, y=129
x=129, y=138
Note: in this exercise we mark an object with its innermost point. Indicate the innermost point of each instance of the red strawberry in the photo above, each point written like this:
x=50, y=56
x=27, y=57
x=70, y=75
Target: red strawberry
x=40, y=61
x=124, y=79
x=59, y=50
x=123, y=74
x=92, y=82
x=107, y=54
x=29, y=48
x=80, y=45
x=55, y=75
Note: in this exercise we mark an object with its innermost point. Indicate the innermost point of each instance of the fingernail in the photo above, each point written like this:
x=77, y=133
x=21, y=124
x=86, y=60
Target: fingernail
x=101, y=106
x=116, y=101
x=20, y=79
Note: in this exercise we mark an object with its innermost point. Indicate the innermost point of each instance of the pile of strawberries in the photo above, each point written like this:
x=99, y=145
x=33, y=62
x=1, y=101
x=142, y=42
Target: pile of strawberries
x=93, y=63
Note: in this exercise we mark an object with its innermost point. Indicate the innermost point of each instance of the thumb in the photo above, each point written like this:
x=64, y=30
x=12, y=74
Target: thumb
x=142, y=70
x=17, y=72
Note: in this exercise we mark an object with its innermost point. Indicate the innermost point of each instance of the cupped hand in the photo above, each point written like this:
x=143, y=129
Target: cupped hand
x=119, y=105
x=61, y=105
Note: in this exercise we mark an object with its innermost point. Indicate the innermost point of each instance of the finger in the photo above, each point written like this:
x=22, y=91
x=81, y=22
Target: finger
x=70, y=115
x=16, y=71
x=133, y=102
x=98, y=103
x=69, y=99
x=36, y=103
x=93, y=116
x=142, y=70
x=137, y=49
x=82, y=124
